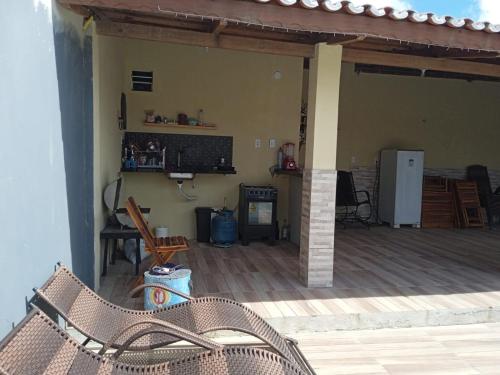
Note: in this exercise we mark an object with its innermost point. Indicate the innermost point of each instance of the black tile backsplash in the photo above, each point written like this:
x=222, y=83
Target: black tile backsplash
x=200, y=151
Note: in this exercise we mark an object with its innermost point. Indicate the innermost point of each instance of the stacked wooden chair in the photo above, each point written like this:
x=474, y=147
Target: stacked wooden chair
x=438, y=206
x=468, y=204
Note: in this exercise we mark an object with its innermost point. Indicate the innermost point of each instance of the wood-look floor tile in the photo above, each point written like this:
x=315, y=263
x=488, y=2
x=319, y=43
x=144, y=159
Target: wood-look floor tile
x=377, y=270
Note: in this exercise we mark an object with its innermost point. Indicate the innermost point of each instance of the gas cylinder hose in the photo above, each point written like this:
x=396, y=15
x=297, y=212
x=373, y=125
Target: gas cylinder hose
x=184, y=194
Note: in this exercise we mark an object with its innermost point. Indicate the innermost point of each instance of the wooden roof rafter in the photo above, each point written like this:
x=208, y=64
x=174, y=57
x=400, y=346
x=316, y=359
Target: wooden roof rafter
x=208, y=24
x=201, y=39
x=274, y=17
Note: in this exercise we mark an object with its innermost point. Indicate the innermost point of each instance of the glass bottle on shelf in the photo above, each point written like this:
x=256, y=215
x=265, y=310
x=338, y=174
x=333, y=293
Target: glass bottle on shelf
x=200, y=117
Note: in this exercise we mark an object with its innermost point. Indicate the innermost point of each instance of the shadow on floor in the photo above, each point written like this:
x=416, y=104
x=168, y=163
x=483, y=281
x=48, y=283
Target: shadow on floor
x=417, y=269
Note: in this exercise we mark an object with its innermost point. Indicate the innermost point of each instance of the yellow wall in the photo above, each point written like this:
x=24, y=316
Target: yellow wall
x=323, y=108
x=238, y=93
x=108, y=83
x=455, y=122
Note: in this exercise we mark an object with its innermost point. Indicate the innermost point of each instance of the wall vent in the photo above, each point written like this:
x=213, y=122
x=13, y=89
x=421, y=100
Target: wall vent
x=142, y=81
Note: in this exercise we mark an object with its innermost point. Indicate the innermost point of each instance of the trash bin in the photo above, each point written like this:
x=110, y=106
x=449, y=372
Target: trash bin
x=155, y=298
x=203, y=221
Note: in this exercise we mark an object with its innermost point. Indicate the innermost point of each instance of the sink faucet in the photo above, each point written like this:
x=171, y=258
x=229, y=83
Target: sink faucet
x=179, y=157
x=180, y=151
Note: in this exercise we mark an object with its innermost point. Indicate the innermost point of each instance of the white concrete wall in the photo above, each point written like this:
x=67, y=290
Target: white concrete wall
x=36, y=131
x=108, y=74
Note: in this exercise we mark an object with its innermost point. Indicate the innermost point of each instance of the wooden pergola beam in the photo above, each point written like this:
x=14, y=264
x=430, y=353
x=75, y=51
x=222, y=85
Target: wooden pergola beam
x=232, y=42
x=357, y=39
x=150, y=19
x=195, y=38
x=418, y=62
x=219, y=26
x=297, y=18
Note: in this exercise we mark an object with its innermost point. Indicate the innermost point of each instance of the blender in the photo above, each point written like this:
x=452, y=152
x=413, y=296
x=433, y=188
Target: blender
x=289, y=163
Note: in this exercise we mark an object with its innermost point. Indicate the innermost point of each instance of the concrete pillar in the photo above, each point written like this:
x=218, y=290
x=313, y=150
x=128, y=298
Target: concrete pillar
x=320, y=175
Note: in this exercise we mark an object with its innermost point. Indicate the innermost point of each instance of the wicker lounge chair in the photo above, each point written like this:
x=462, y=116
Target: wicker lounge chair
x=101, y=321
x=39, y=346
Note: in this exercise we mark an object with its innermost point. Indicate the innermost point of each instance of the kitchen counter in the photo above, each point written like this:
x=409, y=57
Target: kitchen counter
x=195, y=170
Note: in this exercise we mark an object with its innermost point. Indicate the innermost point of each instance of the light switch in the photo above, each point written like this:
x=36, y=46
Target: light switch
x=272, y=143
x=257, y=143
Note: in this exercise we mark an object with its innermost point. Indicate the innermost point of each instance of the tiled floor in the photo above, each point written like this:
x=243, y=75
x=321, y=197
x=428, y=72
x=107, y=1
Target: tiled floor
x=379, y=274
x=457, y=350
x=451, y=350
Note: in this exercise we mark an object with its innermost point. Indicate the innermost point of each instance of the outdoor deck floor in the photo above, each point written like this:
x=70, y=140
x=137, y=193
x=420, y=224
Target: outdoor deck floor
x=382, y=278
x=452, y=350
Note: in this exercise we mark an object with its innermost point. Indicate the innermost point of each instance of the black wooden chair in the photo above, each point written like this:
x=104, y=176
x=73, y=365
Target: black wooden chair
x=351, y=205
x=489, y=200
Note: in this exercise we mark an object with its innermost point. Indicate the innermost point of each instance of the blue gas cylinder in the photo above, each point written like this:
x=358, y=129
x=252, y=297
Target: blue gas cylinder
x=224, y=229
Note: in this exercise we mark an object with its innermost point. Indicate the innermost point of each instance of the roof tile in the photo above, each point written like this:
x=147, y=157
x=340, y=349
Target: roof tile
x=394, y=14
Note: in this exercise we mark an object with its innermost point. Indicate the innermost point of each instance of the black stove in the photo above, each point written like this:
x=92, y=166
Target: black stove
x=257, y=213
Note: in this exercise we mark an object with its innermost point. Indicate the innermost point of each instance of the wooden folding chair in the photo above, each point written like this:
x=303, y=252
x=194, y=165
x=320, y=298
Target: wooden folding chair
x=469, y=207
x=438, y=205
x=163, y=249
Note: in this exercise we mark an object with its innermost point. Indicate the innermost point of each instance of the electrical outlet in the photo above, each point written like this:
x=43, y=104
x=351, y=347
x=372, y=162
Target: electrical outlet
x=272, y=143
x=258, y=143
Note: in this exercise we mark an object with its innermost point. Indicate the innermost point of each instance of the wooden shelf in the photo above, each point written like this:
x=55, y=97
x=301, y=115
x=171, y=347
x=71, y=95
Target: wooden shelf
x=160, y=125
x=297, y=172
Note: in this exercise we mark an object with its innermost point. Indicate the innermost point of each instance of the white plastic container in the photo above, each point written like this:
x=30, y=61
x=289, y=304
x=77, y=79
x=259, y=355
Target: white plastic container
x=161, y=232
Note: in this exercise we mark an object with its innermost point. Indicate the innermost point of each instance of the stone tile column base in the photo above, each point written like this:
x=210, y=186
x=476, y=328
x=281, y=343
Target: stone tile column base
x=318, y=227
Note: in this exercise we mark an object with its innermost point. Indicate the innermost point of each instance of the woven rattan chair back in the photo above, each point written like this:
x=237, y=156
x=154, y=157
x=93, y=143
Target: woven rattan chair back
x=100, y=320
x=93, y=316
x=39, y=346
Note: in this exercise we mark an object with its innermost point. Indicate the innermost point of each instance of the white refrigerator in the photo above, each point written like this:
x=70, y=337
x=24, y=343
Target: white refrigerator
x=400, y=188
